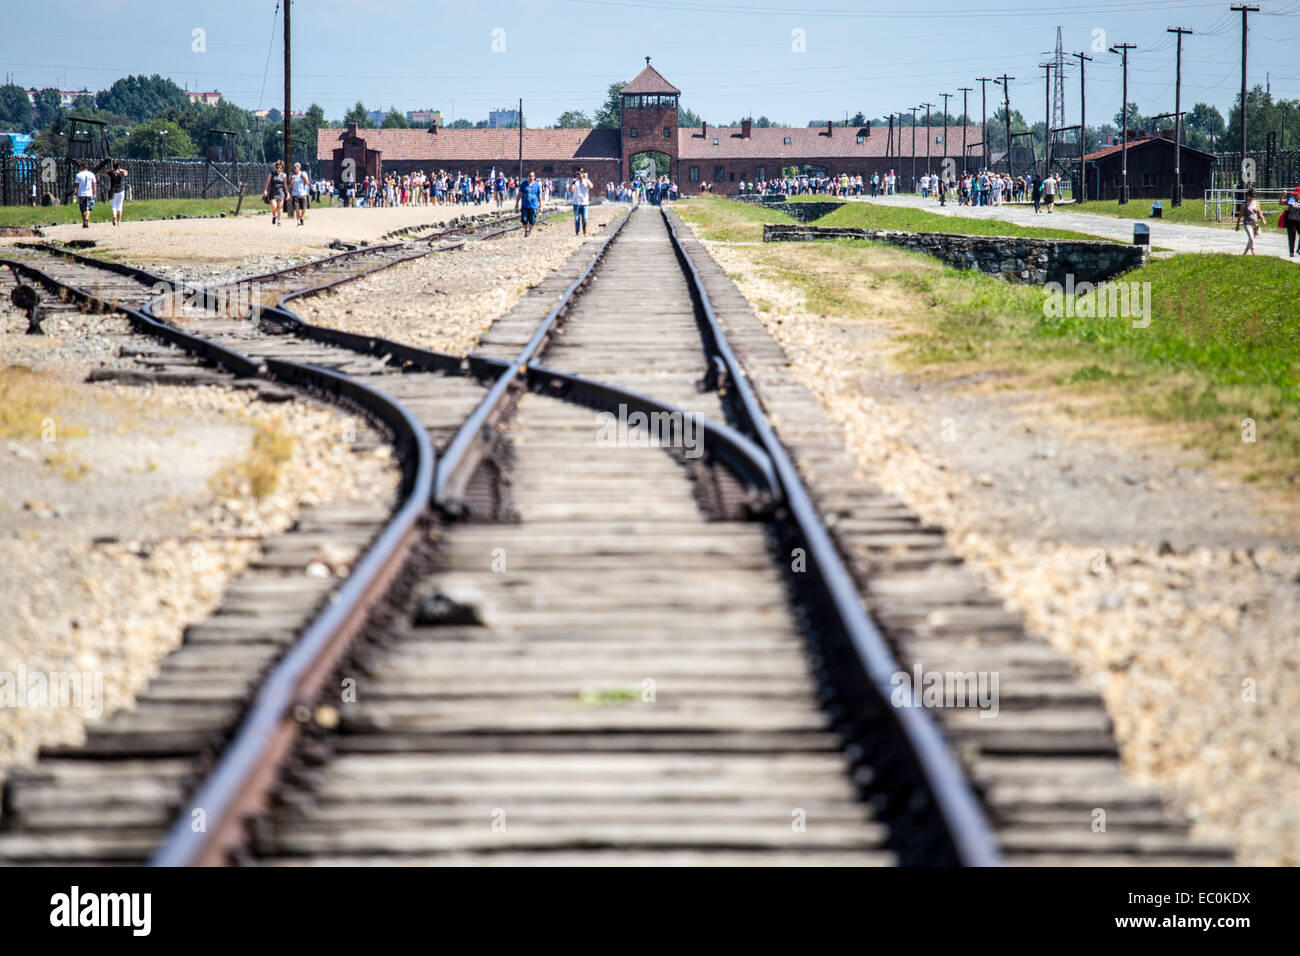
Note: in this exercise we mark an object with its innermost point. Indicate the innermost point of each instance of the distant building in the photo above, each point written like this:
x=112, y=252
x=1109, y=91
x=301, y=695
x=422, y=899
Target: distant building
x=424, y=116
x=210, y=98
x=1150, y=168
x=376, y=116
x=696, y=156
x=263, y=114
x=66, y=97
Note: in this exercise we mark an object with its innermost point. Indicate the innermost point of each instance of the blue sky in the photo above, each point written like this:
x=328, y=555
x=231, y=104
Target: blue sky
x=730, y=58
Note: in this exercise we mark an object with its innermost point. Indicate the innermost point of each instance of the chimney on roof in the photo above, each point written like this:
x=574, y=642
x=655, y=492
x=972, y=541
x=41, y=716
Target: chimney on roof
x=829, y=126
x=1167, y=134
x=868, y=129
x=745, y=127
x=704, y=128
x=433, y=127
x=352, y=129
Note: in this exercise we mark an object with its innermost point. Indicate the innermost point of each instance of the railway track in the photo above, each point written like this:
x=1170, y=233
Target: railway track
x=626, y=656
x=478, y=703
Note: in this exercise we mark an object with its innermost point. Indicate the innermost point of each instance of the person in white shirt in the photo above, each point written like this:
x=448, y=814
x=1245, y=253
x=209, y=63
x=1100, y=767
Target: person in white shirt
x=85, y=193
x=580, y=194
x=1049, y=191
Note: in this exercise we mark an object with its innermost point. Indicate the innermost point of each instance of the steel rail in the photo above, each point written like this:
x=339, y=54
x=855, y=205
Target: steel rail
x=245, y=773
x=246, y=769
x=466, y=450
x=964, y=817
x=746, y=460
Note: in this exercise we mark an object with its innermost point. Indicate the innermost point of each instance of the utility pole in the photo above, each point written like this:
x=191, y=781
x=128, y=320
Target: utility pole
x=1178, y=116
x=288, y=141
x=914, y=109
x=965, y=121
x=1123, y=115
x=521, y=140
x=1083, y=131
x=1047, y=116
x=928, y=137
x=945, y=128
x=1006, y=112
x=984, y=82
x=1241, y=171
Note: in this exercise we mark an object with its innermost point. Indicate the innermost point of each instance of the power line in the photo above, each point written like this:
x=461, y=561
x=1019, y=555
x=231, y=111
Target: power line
x=1123, y=113
x=1245, y=11
x=1178, y=115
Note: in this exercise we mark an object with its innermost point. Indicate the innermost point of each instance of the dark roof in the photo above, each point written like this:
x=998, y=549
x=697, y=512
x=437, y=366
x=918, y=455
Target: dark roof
x=1137, y=143
x=450, y=146
x=812, y=142
x=650, y=80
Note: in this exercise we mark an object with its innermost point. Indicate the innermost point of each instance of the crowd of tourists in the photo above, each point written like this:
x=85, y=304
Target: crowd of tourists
x=421, y=188
x=654, y=191
x=841, y=185
x=987, y=188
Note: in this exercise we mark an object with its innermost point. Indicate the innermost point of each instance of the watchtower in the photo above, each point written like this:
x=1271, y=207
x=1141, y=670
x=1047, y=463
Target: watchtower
x=649, y=118
x=88, y=141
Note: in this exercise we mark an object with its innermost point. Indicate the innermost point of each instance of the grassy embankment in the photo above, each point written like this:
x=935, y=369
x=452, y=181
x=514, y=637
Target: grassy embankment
x=132, y=210
x=1223, y=343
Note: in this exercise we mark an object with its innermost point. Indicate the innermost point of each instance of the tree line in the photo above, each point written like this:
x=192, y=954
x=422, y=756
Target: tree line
x=148, y=117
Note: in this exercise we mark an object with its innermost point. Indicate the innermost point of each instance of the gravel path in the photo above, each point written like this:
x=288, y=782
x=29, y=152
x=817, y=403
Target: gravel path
x=124, y=511
x=209, y=251
x=446, y=301
x=1180, y=237
x=1174, y=593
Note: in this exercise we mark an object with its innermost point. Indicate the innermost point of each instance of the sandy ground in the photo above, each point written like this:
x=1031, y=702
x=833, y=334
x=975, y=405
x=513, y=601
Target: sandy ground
x=124, y=511
x=218, y=242
x=1174, y=591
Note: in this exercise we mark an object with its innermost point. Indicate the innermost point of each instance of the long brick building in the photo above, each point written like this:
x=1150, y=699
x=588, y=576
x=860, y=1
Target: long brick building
x=719, y=156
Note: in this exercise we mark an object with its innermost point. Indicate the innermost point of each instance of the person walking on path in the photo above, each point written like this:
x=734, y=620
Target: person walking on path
x=1251, y=215
x=117, y=189
x=274, y=193
x=1049, y=191
x=528, y=201
x=298, y=189
x=581, y=196
x=1036, y=189
x=1290, y=219
x=85, y=193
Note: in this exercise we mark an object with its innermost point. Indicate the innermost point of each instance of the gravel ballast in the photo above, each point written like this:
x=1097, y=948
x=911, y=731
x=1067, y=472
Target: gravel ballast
x=1174, y=592
x=124, y=512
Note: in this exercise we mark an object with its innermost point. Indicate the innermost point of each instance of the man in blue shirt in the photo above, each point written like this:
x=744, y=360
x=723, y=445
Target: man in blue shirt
x=530, y=198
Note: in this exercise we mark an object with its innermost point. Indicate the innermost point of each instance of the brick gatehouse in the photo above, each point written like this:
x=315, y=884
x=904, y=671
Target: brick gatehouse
x=720, y=156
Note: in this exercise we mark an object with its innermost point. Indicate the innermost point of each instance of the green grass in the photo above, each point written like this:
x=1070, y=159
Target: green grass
x=133, y=210
x=1223, y=343
x=866, y=215
x=1191, y=212
x=725, y=220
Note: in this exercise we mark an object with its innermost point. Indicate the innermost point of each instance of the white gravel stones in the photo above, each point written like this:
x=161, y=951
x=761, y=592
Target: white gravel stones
x=446, y=301
x=113, y=538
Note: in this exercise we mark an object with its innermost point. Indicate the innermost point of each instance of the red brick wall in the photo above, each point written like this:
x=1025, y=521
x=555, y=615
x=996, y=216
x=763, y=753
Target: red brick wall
x=649, y=124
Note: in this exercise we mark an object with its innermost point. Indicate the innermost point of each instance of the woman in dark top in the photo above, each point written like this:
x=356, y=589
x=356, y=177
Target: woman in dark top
x=117, y=189
x=276, y=189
